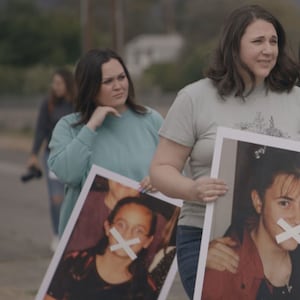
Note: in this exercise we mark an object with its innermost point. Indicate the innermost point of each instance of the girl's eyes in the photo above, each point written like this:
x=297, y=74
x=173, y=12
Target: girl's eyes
x=139, y=231
x=284, y=203
x=121, y=225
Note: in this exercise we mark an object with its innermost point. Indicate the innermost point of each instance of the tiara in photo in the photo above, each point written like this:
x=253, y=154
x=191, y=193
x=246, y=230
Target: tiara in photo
x=260, y=152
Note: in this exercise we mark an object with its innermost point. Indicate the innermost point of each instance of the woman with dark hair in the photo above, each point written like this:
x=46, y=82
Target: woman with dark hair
x=57, y=104
x=250, y=85
x=109, y=128
x=269, y=268
x=107, y=271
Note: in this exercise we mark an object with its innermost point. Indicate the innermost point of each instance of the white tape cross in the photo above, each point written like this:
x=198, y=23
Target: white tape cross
x=122, y=244
x=290, y=232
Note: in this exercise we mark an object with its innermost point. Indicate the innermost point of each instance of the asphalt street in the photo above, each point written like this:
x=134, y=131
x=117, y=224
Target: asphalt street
x=25, y=231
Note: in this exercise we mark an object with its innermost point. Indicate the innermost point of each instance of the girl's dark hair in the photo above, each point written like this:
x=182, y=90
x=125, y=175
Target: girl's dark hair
x=69, y=81
x=262, y=167
x=273, y=162
x=88, y=77
x=226, y=62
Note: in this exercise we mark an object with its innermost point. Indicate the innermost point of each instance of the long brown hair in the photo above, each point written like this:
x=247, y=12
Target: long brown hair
x=88, y=77
x=69, y=81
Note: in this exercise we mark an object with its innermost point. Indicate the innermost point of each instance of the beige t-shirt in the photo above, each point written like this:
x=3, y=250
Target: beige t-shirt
x=197, y=112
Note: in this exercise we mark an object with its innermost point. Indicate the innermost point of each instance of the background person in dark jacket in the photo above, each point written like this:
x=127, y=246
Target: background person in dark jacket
x=57, y=104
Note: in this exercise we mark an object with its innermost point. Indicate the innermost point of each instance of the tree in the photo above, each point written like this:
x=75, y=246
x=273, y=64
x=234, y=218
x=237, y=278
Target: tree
x=29, y=37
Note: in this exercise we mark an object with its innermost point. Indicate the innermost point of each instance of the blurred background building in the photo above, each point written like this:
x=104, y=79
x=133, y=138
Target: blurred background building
x=148, y=49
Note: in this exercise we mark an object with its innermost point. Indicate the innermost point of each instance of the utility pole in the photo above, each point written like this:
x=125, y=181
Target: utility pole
x=169, y=16
x=85, y=24
x=117, y=17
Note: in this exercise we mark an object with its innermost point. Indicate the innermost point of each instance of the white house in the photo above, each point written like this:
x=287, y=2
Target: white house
x=147, y=49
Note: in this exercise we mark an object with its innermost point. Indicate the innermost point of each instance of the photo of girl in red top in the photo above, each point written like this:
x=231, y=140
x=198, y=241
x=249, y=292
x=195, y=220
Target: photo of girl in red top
x=263, y=232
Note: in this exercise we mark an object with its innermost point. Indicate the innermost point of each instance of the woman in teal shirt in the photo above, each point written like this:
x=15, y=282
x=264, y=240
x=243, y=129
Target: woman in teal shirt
x=108, y=129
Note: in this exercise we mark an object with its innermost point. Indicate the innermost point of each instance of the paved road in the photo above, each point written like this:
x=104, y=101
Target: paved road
x=25, y=229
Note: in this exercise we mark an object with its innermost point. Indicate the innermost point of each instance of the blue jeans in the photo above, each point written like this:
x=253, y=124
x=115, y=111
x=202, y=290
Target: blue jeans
x=188, y=241
x=55, y=191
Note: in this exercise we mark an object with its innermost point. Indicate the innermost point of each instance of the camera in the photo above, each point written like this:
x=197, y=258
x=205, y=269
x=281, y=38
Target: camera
x=32, y=172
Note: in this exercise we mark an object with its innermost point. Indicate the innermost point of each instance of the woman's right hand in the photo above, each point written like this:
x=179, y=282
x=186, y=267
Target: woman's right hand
x=221, y=256
x=33, y=161
x=99, y=115
x=206, y=189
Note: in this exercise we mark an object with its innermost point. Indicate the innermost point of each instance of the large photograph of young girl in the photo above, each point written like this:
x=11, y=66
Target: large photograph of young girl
x=118, y=244
x=256, y=226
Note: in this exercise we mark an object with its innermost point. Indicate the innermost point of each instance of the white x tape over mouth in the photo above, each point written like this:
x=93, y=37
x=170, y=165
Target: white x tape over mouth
x=124, y=244
x=290, y=232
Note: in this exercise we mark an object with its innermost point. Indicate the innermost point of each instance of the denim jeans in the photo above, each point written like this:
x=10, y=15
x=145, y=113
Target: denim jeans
x=188, y=241
x=55, y=189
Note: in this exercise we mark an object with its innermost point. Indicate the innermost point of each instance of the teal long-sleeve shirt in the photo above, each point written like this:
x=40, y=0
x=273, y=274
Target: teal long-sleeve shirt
x=123, y=145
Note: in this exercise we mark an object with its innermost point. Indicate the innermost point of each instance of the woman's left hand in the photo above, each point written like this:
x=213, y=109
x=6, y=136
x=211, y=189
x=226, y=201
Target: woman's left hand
x=146, y=186
x=221, y=255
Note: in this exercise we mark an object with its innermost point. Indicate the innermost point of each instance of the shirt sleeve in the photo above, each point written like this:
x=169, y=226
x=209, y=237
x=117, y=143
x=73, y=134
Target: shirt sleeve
x=70, y=152
x=157, y=120
x=178, y=125
x=56, y=288
x=62, y=282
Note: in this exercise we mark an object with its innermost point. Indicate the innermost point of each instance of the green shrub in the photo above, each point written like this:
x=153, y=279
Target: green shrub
x=25, y=81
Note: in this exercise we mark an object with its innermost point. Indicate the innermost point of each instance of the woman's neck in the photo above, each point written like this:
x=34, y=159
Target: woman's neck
x=113, y=269
x=273, y=258
x=256, y=88
x=122, y=108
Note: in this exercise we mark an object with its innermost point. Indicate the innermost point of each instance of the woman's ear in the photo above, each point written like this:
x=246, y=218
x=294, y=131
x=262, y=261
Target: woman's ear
x=147, y=243
x=106, y=227
x=256, y=201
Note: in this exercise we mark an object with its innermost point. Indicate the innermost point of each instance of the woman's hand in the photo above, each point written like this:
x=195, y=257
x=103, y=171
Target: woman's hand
x=33, y=161
x=99, y=115
x=146, y=186
x=221, y=255
x=206, y=189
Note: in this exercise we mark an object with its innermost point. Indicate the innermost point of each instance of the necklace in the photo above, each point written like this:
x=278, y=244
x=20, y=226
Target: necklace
x=283, y=290
x=289, y=288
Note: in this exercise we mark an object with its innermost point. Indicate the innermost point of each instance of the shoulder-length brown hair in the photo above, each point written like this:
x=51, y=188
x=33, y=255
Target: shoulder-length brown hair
x=226, y=62
x=88, y=77
x=68, y=78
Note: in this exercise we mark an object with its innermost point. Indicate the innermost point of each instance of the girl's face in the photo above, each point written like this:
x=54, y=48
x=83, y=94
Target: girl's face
x=58, y=86
x=259, y=49
x=282, y=200
x=132, y=221
x=114, y=87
